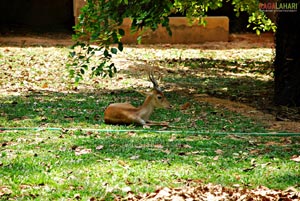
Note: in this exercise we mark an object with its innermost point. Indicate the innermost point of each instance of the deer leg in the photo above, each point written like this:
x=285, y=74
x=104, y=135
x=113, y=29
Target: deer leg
x=139, y=121
x=153, y=123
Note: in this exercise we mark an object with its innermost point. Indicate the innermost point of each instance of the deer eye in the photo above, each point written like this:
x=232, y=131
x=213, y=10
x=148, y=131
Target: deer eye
x=159, y=97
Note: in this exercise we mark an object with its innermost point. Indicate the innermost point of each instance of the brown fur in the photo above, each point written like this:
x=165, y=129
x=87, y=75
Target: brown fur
x=125, y=113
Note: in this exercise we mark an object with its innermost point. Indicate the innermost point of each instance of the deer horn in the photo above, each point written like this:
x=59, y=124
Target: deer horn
x=154, y=82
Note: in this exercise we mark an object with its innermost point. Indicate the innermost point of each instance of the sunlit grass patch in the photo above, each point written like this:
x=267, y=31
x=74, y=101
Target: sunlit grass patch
x=56, y=165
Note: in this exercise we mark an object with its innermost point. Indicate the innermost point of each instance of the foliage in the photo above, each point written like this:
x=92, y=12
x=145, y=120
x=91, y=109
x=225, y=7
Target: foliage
x=261, y=23
x=99, y=21
x=81, y=61
x=98, y=24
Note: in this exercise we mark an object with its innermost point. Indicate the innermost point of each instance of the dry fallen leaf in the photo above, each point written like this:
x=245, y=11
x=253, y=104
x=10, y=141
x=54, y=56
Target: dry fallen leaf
x=219, y=151
x=158, y=146
x=187, y=146
x=126, y=189
x=5, y=191
x=80, y=151
x=216, y=158
x=122, y=163
x=134, y=157
x=195, y=190
x=185, y=106
x=131, y=133
x=92, y=199
x=99, y=147
x=165, y=192
x=295, y=158
x=77, y=196
x=45, y=85
x=173, y=137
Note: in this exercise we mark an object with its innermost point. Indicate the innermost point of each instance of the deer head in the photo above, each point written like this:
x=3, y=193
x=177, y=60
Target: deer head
x=159, y=99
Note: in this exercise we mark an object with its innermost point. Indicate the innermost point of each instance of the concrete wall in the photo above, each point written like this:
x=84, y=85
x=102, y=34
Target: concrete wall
x=77, y=4
x=217, y=29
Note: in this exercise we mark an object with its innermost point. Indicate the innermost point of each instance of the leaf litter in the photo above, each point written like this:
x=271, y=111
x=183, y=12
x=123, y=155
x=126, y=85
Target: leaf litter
x=198, y=191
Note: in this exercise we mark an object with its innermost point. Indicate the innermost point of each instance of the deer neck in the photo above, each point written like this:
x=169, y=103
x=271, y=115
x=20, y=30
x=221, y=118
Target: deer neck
x=146, y=109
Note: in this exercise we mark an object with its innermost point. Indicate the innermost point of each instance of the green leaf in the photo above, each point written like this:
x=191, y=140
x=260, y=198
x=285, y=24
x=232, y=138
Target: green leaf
x=105, y=53
x=257, y=31
x=71, y=73
x=77, y=79
x=120, y=46
x=122, y=32
x=114, y=50
x=139, y=39
x=90, y=50
x=115, y=37
x=85, y=66
x=72, y=54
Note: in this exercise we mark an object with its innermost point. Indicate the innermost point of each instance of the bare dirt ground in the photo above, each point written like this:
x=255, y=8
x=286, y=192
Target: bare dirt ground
x=236, y=41
x=246, y=110
x=61, y=39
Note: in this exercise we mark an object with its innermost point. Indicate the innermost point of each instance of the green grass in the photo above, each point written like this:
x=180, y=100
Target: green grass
x=57, y=165
x=86, y=111
x=60, y=165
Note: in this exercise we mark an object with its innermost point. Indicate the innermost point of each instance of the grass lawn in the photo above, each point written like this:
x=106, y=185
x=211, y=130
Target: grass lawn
x=75, y=164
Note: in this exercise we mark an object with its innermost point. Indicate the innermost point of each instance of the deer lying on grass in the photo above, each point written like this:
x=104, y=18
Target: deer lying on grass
x=125, y=113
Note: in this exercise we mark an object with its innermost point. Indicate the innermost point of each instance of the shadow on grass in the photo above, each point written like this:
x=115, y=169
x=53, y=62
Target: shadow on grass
x=85, y=110
x=46, y=108
x=243, y=80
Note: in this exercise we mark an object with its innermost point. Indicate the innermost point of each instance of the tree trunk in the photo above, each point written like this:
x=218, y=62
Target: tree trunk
x=287, y=60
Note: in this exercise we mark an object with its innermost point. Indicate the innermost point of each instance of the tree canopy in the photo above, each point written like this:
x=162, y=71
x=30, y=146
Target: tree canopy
x=100, y=20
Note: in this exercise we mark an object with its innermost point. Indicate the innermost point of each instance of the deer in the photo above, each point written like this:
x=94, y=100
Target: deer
x=125, y=113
